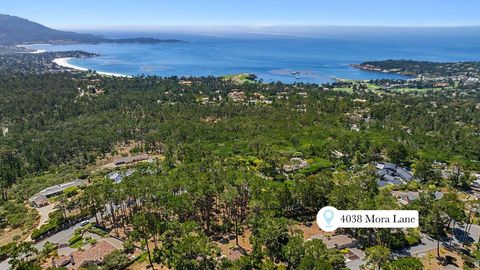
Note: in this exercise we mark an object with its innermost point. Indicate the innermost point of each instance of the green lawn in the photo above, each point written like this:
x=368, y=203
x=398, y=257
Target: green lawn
x=242, y=77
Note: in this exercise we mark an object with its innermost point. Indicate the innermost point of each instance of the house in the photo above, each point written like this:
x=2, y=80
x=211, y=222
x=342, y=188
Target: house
x=140, y=157
x=338, y=241
x=82, y=258
x=404, y=174
x=391, y=173
x=41, y=197
x=406, y=197
x=58, y=189
x=186, y=83
x=122, y=161
x=295, y=164
x=395, y=182
x=390, y=166
x=118, y=161
x=282, y=95
x=237, y=96
x=39, y=200
x=259, y=96
x=117, y=177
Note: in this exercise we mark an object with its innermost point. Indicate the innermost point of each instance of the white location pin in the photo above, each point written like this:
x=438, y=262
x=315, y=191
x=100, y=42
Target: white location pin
x=327, y=218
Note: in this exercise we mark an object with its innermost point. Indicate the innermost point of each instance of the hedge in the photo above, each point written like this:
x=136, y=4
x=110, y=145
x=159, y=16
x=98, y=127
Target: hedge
x=74, y=239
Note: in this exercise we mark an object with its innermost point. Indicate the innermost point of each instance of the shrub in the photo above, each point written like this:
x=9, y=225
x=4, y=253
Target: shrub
x=128, y=246
x=93, y=241
x=78, y=231
x=55, y=222
x=74, y=239
x=413, y=237
x=45, y=228
x=6, y=249
x=97, y=231
x=70, y=191
x=49, y=248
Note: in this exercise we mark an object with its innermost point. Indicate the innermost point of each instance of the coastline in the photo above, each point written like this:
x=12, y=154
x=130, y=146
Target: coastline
x=64, y=63
x=38, y=51
x=369, y=68
x=28, y=47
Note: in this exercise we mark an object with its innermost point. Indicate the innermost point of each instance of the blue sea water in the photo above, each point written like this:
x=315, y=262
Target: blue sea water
x=317, y=56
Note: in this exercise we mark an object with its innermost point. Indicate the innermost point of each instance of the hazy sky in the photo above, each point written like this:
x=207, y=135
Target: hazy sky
x=105, y=13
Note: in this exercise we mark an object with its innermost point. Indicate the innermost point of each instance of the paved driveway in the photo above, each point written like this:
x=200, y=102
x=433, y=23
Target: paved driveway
x=471, y=237
x=355, y=264
x=44, y=212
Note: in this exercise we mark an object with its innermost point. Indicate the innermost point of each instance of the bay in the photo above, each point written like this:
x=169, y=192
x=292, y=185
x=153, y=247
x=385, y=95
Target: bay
x=311, y=57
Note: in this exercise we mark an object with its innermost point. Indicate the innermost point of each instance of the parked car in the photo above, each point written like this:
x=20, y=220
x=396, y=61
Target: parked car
x=84, y=223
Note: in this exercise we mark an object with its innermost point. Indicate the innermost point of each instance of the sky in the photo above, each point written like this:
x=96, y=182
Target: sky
x=91, y=14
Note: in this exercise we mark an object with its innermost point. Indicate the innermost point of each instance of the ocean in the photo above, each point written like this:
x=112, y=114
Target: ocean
x=313, y=56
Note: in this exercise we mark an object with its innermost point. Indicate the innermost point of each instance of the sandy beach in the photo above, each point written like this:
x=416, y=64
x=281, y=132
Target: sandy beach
x=64, y=63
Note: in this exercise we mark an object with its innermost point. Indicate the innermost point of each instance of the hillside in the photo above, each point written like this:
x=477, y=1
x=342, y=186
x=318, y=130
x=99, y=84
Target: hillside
x=16, y=30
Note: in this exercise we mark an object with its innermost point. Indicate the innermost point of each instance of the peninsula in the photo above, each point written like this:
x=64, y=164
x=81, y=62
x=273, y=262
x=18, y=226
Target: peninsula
x=19, y=31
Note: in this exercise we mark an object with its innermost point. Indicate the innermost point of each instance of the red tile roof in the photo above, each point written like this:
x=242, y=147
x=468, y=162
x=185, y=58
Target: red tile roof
x=94, y=254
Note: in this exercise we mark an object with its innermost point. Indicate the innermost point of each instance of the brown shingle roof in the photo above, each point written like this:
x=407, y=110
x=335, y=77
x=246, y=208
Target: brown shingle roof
x=120, y=161
x=39, y=200
x=140, y=157
x=339, y=241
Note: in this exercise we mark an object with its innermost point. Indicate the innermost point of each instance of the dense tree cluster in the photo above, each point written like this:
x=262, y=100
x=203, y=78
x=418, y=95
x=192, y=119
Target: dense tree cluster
x=224, y=166
x=424, y=68
x=50, y=124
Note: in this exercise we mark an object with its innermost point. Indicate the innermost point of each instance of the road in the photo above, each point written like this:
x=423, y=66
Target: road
x=61, y=237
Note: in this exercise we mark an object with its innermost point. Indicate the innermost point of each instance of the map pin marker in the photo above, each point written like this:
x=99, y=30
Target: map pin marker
x=328, y=216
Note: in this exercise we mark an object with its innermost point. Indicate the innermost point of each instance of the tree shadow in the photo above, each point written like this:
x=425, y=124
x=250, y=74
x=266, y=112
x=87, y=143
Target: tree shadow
x=459, y=235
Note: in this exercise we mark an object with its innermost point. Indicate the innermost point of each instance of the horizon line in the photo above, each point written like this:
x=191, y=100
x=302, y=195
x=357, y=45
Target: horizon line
x=244, y=26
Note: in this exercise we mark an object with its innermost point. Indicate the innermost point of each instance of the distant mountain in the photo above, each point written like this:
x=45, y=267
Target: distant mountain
x=16, y=30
